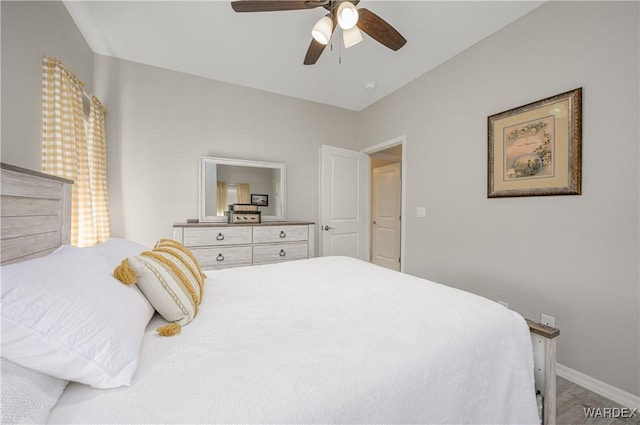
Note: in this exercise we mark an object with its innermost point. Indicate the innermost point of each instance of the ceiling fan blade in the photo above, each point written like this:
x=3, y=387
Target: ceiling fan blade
x=313, y=52
x=274, y=5
x=379, y=29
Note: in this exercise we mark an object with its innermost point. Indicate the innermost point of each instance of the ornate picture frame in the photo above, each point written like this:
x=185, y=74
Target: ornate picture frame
x=536, y=149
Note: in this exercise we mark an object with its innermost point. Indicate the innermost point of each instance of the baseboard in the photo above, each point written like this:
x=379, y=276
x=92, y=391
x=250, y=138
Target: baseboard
x=612, y=393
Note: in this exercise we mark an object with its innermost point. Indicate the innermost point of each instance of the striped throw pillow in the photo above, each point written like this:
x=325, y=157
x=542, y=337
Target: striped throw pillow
x=170, y=277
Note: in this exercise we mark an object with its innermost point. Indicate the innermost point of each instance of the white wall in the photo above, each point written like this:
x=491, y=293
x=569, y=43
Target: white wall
x=159, y=122
x=573, y=257
x=31, y=29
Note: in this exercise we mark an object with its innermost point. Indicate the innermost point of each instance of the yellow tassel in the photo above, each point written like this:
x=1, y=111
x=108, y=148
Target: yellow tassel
x=125, y=273
x=169, y=330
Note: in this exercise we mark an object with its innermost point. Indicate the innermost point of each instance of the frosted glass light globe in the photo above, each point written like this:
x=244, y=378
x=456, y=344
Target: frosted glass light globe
x=347, y=15
x=351, y=37
x=321, y=31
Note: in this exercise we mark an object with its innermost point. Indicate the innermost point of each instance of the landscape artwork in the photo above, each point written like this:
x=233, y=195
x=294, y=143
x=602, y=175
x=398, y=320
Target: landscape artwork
x=528, y=149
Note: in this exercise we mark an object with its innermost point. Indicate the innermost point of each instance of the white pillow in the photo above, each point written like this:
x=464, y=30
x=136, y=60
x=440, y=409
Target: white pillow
x=114, y=248
x=27, y=395
x=65, y=315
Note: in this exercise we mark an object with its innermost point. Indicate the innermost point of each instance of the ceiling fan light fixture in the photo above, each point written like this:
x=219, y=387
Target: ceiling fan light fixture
x=321, y=31
x=347, y=15
x=351, y=37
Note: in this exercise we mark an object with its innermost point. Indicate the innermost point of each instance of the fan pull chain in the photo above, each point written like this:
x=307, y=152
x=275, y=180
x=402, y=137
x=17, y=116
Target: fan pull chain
x=340, y=53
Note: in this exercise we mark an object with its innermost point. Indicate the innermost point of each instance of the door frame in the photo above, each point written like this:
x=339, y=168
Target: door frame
x=401, y=140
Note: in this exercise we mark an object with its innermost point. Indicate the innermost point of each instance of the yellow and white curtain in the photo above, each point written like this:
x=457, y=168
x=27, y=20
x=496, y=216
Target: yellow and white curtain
x=222, y=198
x=97, y=153
x=243, y=192
x=70, y=151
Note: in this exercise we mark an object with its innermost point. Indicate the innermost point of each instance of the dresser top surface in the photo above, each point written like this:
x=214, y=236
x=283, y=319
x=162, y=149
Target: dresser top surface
x=266, y=223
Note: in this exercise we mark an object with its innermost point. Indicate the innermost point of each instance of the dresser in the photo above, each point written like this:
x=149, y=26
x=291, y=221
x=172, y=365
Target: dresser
x=221, y=245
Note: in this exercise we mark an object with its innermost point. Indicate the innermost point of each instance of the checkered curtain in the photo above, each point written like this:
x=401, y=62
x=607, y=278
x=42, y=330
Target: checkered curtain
x=97, y=153
x=222, y=198
x=243, y=193
x=65, y=151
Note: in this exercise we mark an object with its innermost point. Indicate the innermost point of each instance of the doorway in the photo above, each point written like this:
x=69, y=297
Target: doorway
x=387, y=203
x=346, y=182
x=385, y=215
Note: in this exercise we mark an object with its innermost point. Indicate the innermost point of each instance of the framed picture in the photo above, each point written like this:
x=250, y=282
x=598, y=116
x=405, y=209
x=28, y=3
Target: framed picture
x=260, y=200
x=536, y=149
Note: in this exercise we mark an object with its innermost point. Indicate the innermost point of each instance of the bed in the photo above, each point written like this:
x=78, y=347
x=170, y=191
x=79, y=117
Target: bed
x=323, y=340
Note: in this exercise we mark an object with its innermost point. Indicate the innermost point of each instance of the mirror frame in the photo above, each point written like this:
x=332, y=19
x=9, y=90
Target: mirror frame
x=204, y=160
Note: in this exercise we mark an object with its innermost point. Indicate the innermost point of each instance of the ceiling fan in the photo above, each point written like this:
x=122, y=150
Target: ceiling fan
x=342, y=13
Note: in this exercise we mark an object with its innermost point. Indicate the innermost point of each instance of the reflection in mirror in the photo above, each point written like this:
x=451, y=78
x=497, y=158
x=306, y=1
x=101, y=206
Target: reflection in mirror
x=226, y=181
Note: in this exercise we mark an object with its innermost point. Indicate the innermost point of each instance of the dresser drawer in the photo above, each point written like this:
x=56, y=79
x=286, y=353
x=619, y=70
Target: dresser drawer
x=263, y=254
x=223, y=257
x=217, y=236
x=219, y=246
x=267, y=234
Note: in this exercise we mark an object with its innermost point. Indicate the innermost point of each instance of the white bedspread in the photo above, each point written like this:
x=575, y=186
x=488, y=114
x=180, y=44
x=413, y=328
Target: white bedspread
x=326, y=340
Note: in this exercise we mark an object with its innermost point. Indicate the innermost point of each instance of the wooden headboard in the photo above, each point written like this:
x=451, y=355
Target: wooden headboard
x=35, y=213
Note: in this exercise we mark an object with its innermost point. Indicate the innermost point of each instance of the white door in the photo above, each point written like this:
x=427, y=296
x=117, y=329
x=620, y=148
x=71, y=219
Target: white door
x=343, y=212
x=385, y=237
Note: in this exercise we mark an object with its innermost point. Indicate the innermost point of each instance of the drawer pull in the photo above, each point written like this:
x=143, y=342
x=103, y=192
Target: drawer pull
x=282, y=253
x=220, y=257
x=220, y=237
x=283, y=234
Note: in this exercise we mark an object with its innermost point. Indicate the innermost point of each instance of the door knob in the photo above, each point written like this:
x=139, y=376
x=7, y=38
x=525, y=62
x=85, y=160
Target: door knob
x=328, y=228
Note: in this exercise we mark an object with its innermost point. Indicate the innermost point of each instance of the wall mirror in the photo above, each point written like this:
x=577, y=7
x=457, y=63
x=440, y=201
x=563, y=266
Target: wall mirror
x=234, y=181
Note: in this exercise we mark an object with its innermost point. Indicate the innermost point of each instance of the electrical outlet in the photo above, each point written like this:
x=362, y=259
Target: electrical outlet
x=503, y=303
x=545, y=319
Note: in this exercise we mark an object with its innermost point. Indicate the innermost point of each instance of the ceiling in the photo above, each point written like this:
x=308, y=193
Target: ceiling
x=265, y=50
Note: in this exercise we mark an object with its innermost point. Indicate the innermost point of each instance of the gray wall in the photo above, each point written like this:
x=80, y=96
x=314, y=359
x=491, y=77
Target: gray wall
x=29, y=31
x=159, y=122
x=573, y=257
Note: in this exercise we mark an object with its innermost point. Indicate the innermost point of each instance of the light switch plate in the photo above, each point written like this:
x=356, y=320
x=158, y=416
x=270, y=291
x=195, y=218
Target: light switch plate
x=421, y=212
